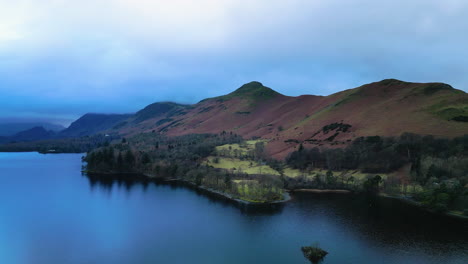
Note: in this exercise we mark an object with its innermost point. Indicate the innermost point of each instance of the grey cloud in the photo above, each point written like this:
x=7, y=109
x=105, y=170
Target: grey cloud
x=117, y=56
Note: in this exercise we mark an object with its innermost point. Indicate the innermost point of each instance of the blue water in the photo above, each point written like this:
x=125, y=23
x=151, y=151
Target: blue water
x=50, y=213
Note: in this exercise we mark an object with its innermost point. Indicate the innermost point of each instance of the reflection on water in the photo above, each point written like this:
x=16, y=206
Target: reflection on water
x=381, y=220
x=387, y=222
x=49, y=213
x=105, y=183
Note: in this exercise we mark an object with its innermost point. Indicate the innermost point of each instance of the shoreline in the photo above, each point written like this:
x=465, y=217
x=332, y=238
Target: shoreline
x=412, y=202
x=286, y=196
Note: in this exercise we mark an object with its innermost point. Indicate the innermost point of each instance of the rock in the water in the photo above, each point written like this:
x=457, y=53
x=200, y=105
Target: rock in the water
x=314, y=253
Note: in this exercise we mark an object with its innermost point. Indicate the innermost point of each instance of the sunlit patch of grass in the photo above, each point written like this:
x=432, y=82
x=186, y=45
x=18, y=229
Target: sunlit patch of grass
x=251, y=143
x=411, y=189
x=449, y=111
x=358, y=175
x=245, y=166
x=293, y=173
x=242, y=148
x=230, y=147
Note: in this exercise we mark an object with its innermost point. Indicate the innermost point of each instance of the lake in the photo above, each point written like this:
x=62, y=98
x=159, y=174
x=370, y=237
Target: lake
x=51, y=213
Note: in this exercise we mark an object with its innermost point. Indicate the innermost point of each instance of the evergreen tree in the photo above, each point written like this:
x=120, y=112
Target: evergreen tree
x=120, y=162
x=129, y=158
x=145, y=158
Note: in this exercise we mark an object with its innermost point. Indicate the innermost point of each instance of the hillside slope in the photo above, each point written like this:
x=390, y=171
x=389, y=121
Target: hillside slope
x=90, y=124
x=386, y=108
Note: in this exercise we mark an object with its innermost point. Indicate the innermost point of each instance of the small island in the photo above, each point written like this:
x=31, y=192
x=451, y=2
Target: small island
x=314, y=253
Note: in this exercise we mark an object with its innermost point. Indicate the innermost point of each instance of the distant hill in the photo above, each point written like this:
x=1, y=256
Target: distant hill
x=90, y=124
x=35, y=133
x=32, y=134
x=386, y=108
x=9, y=129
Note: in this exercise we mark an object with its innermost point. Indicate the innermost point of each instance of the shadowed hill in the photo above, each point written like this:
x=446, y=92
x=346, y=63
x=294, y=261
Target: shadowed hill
x=35, y=133
x=10, y=129
x=90, y=124
x=158, y=109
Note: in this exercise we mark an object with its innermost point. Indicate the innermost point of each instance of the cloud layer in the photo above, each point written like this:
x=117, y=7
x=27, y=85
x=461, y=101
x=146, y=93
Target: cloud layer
x=62, y=58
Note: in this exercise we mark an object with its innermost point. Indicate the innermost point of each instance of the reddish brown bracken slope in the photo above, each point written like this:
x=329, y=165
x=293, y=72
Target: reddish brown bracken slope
x=386, y=108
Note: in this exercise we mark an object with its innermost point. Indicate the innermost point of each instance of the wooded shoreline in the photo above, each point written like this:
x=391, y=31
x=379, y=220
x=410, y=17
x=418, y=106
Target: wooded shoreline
x=147, y=177
x=138, y=177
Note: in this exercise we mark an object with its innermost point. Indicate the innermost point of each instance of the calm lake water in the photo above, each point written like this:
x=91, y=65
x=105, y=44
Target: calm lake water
x=50, y=213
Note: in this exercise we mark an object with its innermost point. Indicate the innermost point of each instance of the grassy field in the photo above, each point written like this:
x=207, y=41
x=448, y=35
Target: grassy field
x=253, y=167
x=229, y=160
x=239, y=158
x=293, y=173
x=246, y=166
x=242, y=149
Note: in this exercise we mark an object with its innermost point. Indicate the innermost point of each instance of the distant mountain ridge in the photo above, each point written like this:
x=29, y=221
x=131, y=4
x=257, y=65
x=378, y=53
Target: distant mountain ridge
x=386, y=108
x=33, y=134
x=10, y=129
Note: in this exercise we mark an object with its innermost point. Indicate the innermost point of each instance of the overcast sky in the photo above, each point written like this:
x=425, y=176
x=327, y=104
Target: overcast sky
x=60, y=59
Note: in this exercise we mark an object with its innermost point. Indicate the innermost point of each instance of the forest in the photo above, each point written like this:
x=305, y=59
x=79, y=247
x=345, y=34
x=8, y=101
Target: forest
x=436, y=174
x=182, y=158
x=62, y=145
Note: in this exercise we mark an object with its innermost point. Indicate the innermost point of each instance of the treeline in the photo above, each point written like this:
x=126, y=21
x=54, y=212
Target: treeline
x=370, y=183
x=379, y=154
x=181, y=158
x=65, y=145
x=439, y=166
x=153, y=153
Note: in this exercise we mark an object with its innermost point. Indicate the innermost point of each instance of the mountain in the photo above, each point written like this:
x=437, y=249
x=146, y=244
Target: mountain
x=386, y=108
x=90, y=124
x=35, y=133
x=9, y=129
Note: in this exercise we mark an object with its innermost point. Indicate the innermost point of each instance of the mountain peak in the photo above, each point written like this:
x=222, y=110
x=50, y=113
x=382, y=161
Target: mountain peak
x=254, y=90
x=254, y=85
x=392, y=82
